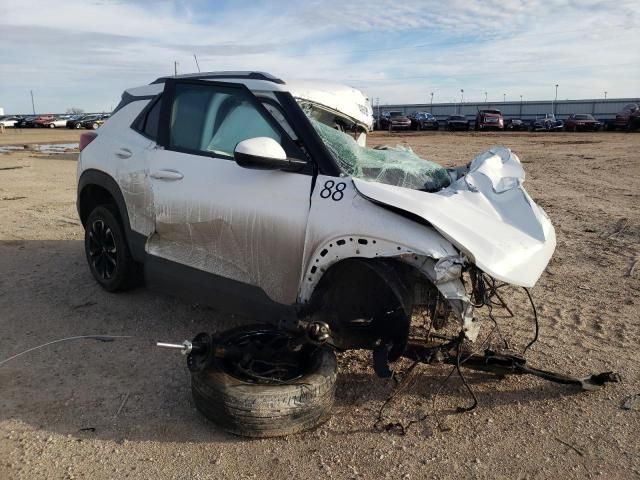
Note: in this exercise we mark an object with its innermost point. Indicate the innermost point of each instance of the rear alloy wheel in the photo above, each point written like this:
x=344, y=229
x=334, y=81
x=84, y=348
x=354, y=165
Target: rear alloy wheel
x=107, y=252
x=77, y=125
x=94, y=126
x=51, y=125
x=272, y=389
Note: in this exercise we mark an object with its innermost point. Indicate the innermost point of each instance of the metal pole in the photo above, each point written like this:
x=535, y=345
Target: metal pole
x=485, y=97
x=196, y=59
x=605, y=95
x=504, y=97
x=555, y=101
x=175, y=69
x=33, y=105
x=461, y=100
x=520, y=107
x=431, y=102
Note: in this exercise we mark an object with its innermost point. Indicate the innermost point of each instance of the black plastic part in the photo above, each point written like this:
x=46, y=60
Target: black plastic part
x=223, y=75
x=202, y=354
x=85, y=203
x=221, y=293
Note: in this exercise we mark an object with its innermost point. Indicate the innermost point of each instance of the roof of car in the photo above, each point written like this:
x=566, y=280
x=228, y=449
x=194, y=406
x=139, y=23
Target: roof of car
x=338, y=97
x=225, y=75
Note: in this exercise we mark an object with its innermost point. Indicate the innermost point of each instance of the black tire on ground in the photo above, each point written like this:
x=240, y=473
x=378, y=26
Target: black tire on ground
x=107, y=251
x=262, y=410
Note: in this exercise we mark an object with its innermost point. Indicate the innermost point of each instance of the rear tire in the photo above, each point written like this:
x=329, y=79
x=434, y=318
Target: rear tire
x=261, y=410
x=107, y=252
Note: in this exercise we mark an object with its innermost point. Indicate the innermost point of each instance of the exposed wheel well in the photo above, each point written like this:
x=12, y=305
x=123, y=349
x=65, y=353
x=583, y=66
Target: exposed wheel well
x=365, y=300
x=90, y=197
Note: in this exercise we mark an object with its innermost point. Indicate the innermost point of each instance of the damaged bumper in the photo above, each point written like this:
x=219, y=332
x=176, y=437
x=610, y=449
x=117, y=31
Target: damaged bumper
x=486, y=214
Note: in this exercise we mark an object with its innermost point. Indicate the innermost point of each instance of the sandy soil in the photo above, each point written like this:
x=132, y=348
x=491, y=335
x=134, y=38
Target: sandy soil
x=123, y=409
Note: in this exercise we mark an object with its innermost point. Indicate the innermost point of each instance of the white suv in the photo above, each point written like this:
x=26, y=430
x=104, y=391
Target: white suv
x=260, y=197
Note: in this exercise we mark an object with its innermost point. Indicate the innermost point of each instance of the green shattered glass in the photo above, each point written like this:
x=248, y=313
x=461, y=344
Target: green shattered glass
x=397, y=166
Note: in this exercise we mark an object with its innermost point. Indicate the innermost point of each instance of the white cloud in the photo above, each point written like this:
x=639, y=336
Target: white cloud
x=84, y=53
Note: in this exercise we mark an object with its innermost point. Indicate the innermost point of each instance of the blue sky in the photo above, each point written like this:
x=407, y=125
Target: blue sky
x=83, y=53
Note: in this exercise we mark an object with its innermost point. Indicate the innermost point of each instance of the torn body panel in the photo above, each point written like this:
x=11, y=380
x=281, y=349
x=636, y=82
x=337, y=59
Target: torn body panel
x=375, y=232
x=486, y=213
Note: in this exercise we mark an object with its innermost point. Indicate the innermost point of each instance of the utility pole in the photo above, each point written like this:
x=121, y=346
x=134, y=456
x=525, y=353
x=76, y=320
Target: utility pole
x=504, y=98
x=485, y=97
x=555, y=101
x=461, y=99
x=432, y=102
x=175, y=69
x=520, y=106
x=196, y=59
x=33, y=105
x=605, y=95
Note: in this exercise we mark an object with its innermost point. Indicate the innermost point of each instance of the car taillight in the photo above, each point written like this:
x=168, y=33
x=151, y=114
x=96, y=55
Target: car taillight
x=86, y=139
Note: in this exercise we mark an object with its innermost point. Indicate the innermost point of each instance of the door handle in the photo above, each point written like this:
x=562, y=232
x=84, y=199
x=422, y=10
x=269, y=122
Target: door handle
x=167, y=175
x=124, y=153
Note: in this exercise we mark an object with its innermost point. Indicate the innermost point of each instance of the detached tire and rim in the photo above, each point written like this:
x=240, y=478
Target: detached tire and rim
x=280, y=392
x=107, y=252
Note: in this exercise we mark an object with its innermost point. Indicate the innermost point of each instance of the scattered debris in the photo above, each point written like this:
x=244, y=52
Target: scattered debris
x=575, y=449
x=619, y=228
x=631, y=402
x=12, y=198
x=87, y=429
x=124, y=401
x=90, y=303
x=632, y=267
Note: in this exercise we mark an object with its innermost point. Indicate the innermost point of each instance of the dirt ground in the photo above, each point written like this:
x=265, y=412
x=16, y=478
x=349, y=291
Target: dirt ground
x=95, y=410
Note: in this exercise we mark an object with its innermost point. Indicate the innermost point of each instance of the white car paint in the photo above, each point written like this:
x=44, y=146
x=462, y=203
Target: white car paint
x=346, y=101
x=487, y=214
x=270, y=229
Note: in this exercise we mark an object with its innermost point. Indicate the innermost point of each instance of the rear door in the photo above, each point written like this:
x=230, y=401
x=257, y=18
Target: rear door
x=210, y=213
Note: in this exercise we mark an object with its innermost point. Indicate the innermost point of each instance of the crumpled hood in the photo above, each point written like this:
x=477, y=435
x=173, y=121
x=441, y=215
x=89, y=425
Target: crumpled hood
x=486, y=213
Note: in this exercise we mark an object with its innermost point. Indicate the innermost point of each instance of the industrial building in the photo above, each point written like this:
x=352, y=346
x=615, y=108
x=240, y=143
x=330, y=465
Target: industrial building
x=599, y=108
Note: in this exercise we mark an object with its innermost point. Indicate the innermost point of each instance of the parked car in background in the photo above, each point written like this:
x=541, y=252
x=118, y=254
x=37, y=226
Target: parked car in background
x=547, y=123
x=95, y=122
x=9, y=121
x=424, y=121
x=55, y=122
x=395, y=121
x=515, y=124
x=42, y=120
x=76, y=120
x=634, y=121
x=22, y=123
x=582, y=121
x=489, y=120
x=457, y=122
x=623, y=118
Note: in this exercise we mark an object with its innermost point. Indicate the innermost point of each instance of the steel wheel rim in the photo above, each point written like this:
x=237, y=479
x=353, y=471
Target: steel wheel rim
x=102, y=250
x=270, y=360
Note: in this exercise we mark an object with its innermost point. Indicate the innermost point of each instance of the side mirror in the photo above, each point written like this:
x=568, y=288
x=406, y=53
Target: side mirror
x=262, y=153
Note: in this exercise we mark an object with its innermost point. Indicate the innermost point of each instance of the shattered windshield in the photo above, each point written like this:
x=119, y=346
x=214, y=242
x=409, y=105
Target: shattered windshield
x=397, y=166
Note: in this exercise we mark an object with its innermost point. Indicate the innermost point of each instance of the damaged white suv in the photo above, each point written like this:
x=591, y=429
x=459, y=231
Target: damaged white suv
x=260, y=197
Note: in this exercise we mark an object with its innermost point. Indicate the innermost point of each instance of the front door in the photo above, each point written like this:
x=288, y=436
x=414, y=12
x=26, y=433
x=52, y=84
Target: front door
x=211, y=214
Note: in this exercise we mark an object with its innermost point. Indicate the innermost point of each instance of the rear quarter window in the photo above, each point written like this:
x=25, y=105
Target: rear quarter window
x=147, y=122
